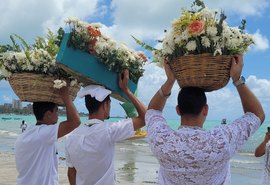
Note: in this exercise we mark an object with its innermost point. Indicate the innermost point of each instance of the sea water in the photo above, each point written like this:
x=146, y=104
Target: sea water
x=244, y=166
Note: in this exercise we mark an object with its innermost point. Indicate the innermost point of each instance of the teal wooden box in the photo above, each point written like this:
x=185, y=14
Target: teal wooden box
x=88, y=70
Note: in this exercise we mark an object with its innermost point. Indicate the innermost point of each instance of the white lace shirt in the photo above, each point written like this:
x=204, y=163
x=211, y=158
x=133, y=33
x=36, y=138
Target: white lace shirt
x=192, y=155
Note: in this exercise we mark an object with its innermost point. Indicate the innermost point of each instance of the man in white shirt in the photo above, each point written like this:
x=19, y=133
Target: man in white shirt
x=35, y=150
x=192, y=155
x=90, y=147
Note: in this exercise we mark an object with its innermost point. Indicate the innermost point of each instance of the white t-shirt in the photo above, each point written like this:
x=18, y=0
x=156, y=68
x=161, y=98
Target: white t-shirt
x=90, y=150
x=35, y=154
x=192, y=155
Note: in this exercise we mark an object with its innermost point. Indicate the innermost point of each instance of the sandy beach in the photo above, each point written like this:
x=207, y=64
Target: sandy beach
x=133, y=165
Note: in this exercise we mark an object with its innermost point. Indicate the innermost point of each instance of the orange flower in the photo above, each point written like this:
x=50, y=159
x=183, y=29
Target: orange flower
x=196, y=27
x=91, y=46
x=93, y=32
x=143, y=57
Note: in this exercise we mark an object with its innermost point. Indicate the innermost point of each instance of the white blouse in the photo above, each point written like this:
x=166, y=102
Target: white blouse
x=192, y=155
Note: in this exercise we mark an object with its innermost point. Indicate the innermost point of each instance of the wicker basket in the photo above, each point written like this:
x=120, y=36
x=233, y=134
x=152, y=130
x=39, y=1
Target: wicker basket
x=37, y=87
x=205, y=71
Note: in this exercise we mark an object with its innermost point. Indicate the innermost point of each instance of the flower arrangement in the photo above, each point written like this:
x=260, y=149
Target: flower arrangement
x=39, y=58
x=198, y=31
x=117, y=57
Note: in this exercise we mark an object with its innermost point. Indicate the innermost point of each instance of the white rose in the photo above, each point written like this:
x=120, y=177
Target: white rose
x=58, y=84
x=191, y=45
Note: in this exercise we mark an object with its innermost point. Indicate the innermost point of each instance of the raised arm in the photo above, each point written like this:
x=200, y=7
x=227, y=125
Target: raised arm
x=260, y=150
x=139, y=121
x=159, y=99
x=249, y=101
x=73, y=118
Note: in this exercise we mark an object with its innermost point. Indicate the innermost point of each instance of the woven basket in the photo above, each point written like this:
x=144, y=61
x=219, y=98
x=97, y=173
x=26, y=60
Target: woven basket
x=37, y=87
x=205, y=71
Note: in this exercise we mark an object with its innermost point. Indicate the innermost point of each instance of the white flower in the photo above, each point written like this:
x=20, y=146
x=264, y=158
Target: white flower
x=191, y=45
x=205, y=42
x=73, y=82
x=58, y=84
x=72, y=20
x=5, y=73
x=212, y=31
x=207, y=14
x=217, y=51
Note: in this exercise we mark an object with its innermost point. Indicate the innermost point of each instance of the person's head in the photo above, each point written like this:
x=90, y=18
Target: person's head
x=46, y=112
x=97, y=101
x=192, y=101
x=94, y=106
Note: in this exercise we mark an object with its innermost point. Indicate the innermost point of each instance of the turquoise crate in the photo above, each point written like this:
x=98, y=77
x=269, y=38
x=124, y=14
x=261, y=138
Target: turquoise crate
x=88, y=70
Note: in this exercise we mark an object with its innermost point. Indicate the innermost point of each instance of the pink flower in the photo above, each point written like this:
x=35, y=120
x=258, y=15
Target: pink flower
x=196, y=27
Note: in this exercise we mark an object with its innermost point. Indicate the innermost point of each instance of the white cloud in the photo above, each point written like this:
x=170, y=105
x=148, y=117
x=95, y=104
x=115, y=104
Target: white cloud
x=261, y=42
x=147, y=21
x=6, y=99
x=241, y=8
x=32, y=18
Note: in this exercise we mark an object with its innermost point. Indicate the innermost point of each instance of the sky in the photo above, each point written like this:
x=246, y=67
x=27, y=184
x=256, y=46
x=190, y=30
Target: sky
x=147, y=20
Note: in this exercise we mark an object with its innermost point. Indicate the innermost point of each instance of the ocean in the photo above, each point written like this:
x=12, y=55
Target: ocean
x=245, y=167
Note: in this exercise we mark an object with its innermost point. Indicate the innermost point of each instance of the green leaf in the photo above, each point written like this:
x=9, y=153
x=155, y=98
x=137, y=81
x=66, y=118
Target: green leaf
x=23, y=42
x=145, y=46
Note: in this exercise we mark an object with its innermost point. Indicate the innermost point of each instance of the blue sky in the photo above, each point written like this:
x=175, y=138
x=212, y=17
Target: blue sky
x=146, y=20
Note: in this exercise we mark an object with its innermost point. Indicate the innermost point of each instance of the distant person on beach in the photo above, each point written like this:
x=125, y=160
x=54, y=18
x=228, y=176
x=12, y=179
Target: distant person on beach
x=190, y=154
x=224, y=121
x=35, y=149
x=23, y=126
x=90, y=147
x=264, y=149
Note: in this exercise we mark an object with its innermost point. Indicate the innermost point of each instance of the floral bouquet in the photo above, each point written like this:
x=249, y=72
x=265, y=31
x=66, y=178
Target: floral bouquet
x=117, y=57
x=32, y=71
x=200, y=46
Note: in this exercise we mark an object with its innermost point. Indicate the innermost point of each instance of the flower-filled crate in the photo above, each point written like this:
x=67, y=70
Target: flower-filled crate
x=88, y=70
x=94, y=58
x=32, y=71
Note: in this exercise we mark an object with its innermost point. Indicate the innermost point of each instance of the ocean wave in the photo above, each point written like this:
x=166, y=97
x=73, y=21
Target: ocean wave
x=140, y=144
x=126, y=149
x=239, y=161
x=8, y=133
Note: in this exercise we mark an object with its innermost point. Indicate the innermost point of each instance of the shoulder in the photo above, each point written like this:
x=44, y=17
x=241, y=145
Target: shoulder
x=154, y=116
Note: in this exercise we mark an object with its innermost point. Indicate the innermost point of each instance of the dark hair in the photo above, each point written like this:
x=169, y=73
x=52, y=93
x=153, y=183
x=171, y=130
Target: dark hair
x=191, y=100
x=92, y=104
x=39, y=108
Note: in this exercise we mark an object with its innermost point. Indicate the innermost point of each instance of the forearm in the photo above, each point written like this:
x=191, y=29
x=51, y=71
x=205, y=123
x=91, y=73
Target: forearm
x=140, y=107
x=72, y=113
x=159, y=99
x=249, y=102
x=260, y=150
x=72, y=176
